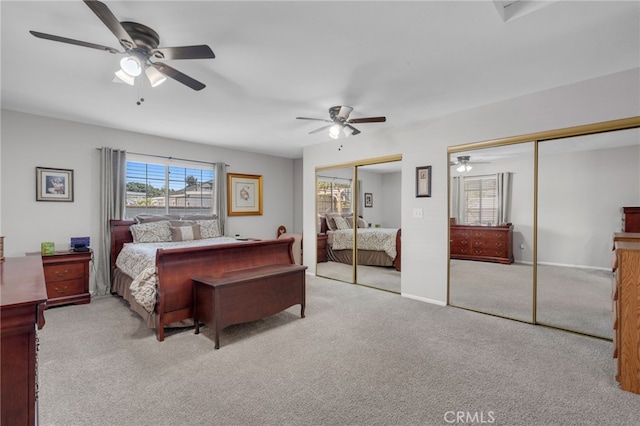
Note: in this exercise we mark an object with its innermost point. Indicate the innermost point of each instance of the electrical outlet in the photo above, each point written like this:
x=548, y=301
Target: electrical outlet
x=521, y=246
x=417, y=213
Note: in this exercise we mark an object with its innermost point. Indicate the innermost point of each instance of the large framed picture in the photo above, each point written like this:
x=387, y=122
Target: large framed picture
x=423, y=181
x=368, y=199
x=54, y=184
x=244, y=194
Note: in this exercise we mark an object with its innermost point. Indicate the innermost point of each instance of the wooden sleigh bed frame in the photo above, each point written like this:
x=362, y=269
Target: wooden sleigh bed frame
x=176, y=267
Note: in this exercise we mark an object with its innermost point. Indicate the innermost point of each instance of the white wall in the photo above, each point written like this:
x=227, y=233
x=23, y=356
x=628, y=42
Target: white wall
x=29, y=141
x=424, y=240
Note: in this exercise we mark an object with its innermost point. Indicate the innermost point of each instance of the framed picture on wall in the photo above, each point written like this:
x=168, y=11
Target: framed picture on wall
x=423, y=181
x=244, y=194
x=368, y=199
x=54, y=184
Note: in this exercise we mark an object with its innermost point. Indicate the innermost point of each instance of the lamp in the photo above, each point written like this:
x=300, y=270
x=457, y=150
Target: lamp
x=334, y=131
x=156, y=78
x=124, y=77
x=464, y=167
x=131, y=65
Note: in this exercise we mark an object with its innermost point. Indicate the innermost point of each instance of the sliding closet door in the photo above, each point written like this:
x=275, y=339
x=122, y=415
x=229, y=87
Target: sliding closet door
x=335, y=203
x=491, y=230
x=583, y=183
x=379, y=208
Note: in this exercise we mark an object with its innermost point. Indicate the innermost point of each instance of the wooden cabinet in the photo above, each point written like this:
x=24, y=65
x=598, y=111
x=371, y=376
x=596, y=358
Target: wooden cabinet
x=322, y=248
x=67, y=277
x=24, y=294
x=486, y=243
x=631, y=219
x=626, y=314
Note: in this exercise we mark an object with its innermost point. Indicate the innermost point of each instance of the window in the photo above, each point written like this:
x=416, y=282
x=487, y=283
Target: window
x=168, y=187
x=480, y=200
x=334, y=195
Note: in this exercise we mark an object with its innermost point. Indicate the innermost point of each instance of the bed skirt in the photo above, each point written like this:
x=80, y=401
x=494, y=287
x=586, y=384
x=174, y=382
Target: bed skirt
x=365, y=257
x=120, y=286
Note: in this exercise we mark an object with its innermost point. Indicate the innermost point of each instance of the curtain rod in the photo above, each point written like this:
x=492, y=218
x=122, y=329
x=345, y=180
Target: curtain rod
x=169, y=158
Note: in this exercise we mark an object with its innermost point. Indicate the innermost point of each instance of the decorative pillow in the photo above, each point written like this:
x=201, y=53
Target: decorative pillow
x=185, y=233
x=331, y=224
x=341, y=222
x=209, y=228
x=152, y=232
x=148, y=218
x=362, y=223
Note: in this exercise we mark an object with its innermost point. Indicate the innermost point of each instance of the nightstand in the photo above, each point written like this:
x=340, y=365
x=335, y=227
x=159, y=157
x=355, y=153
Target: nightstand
x=321, y=248
x=67, y=277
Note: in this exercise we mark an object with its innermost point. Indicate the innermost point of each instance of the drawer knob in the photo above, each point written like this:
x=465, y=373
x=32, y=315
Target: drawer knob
x=61, y=274
x=63, y=290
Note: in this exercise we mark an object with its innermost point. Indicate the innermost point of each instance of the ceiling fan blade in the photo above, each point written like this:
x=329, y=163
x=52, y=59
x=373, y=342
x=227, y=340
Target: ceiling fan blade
x=109, y=19
x=320, y=129
x=344, y=112
x=368, y=120
x=178, y=76
x=201, y=51
x=316, y=119
x=355, y=131
x=72, y=41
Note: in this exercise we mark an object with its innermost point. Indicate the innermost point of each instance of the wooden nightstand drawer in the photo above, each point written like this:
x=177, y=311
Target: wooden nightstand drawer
x=63, y=271
x=65, y=288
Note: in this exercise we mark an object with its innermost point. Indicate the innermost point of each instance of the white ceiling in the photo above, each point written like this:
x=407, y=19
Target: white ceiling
x=275, y=61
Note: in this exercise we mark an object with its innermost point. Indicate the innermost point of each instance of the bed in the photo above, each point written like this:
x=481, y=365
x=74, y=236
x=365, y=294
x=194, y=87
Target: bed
x=169, y=300
x=376, y=246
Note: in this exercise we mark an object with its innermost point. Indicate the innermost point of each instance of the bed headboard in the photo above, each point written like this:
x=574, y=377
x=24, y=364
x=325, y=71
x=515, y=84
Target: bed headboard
x=120, y=234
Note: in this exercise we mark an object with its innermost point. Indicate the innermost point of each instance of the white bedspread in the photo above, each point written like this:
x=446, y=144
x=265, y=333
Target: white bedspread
x=139, y=262
x=378, y=239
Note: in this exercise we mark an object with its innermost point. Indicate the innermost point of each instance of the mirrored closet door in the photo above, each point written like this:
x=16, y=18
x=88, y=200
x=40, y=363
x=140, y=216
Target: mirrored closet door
x=491, y=230
x=358, y=217
x=583, y=183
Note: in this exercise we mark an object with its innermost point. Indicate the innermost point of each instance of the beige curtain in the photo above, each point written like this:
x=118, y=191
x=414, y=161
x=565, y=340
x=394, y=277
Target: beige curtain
x=112, y=201
x=504, y=185
x=220, y=194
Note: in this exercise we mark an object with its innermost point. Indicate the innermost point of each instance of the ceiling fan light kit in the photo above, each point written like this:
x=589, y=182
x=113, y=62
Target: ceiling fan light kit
x=140, y=44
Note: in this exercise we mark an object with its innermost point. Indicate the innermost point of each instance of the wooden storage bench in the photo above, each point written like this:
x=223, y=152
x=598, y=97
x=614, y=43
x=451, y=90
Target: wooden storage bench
x=245, y=295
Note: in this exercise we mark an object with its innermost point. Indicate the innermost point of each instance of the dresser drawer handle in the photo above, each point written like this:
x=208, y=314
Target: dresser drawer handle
x=64, y=290
x=59, y=274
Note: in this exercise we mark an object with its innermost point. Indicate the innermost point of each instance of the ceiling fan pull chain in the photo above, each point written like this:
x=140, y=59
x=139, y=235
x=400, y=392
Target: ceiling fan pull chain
x=140, y=98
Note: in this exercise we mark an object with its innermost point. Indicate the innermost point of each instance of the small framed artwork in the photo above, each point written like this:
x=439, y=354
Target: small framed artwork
x=244, y=194
x=54, y=184
x=368, y=199
x=423, y=181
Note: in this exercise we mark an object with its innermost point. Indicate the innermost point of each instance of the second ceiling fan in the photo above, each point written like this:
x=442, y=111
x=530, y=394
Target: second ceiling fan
x=340, y=122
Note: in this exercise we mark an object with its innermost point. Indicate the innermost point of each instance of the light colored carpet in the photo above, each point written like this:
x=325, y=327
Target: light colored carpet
x=577, y=299
x=381, y=277
x=360, y=357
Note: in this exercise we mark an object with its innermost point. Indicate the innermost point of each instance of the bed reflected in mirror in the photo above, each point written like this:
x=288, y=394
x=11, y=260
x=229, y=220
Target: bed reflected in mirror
x=491, y=230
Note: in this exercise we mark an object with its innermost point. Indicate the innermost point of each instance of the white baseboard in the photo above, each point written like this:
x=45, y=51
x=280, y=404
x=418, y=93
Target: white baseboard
x=424, y=299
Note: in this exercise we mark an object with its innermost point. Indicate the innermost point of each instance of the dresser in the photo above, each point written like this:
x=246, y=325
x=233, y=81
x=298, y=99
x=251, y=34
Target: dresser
x=23, y=295
x=626, y=311
x=67, y=277
x=631, y=219
x=486, y=243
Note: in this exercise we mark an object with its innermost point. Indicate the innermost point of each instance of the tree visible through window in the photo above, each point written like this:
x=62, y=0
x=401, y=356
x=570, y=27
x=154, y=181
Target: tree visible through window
x=481, y=200
x=177, y=188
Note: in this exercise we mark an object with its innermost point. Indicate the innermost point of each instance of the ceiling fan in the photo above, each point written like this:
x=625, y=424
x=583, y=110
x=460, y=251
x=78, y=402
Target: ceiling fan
x=464, y=164
x=339, y=119
x=140, y=44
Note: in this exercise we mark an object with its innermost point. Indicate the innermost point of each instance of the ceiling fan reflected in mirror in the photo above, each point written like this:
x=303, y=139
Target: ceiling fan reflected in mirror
x=340, y=122
x=464, y=164
x=140, y=44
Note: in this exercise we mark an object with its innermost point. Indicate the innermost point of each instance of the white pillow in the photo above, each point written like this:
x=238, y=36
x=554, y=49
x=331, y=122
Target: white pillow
x=341, y=222
x=151, y=232
x=209, y=228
